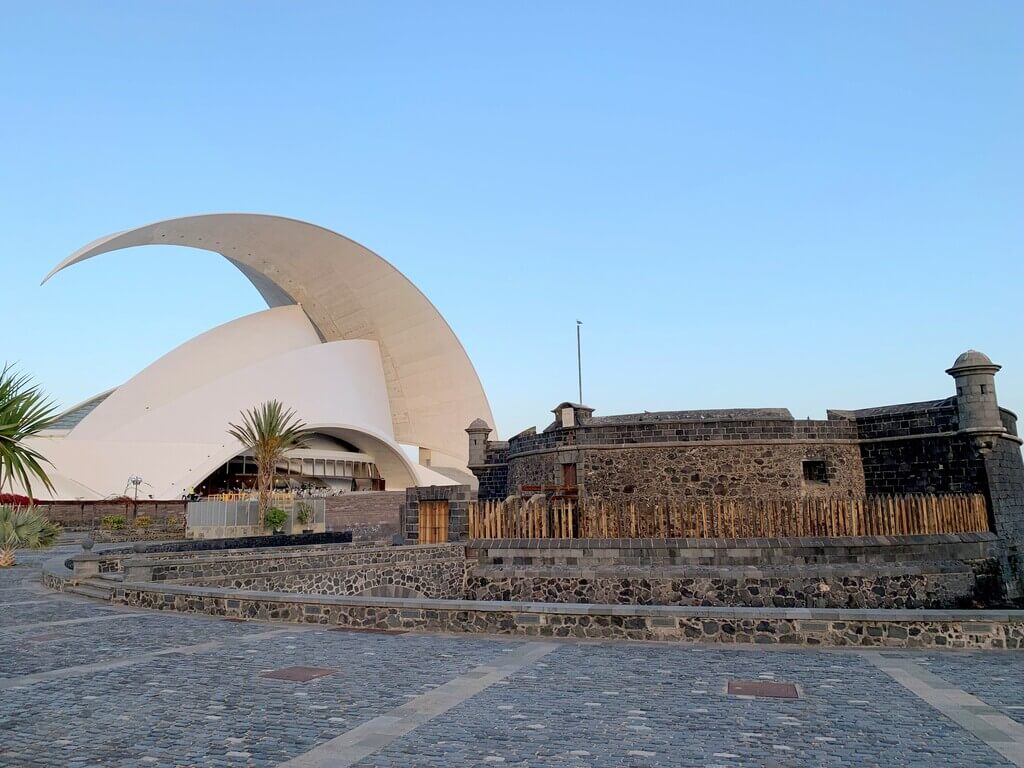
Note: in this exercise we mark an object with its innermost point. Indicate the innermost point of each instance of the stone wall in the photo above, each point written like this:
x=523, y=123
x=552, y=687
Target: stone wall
x=457, y=496
x=684, y=455
x=891, y=629
x=256, y=562
x=86, y=515
x=1005, y=472
x=908, y=586
x=934, y=571
x=650, y=475
x=370, y=515
x=437, y=578
x=915, y=448
x=493, y=475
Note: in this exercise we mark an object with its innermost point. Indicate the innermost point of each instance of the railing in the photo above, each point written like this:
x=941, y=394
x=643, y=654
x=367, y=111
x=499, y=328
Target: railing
x=730, y=518
x=275, y=498
x=245, y=512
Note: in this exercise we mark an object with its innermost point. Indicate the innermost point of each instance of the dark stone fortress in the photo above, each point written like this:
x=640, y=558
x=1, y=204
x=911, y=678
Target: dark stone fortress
x=964, y=443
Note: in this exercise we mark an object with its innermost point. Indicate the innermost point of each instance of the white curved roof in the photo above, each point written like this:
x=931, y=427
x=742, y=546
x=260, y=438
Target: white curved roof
x=168, y=423
x=347, y=292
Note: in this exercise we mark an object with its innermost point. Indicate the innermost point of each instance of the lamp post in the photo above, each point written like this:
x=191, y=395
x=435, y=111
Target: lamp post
x=136, y=481
x=579, y=360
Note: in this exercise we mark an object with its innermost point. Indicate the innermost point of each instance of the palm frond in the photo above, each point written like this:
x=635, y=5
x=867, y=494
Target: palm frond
x=269, y=430
x=26, y=528
x=24, y=411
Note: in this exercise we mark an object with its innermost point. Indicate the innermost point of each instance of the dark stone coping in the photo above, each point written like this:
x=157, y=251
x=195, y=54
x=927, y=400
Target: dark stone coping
x=226, y=546
x=904, y=408
x=784, y=572
x=792, y=542
x=592, y=609
x=251, y=542
x=425, y=549
x=721, y=414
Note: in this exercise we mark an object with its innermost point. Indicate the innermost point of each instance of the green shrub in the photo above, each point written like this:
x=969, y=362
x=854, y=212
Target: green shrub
x=143, y=521
x=303, y=512
x=274, y=518
x=114, y=522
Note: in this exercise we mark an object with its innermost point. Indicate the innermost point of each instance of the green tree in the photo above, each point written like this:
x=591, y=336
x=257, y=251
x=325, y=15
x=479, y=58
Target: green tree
x=24, y=411
x=23, y=528
x=269, y=431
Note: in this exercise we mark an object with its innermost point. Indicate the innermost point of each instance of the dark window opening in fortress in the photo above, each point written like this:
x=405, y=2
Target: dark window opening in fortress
x=815, y=471
x=569, y=475
x=984, y=389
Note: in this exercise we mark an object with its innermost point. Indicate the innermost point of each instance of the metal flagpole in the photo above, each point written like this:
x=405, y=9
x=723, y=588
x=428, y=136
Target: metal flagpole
x=579, y=360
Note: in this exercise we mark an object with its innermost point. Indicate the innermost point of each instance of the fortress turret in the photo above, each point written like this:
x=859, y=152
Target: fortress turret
x=976, y=400
x=478, y=432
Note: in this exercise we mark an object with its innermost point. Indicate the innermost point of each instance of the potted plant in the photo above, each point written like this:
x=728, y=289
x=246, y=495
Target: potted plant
x=274, y=519
x=304, y=514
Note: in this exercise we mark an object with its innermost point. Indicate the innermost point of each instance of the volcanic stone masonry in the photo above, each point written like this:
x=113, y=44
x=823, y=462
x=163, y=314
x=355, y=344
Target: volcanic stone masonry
x=964, y=443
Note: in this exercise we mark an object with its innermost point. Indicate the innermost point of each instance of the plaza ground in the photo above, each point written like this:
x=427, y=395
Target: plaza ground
x=88, y=684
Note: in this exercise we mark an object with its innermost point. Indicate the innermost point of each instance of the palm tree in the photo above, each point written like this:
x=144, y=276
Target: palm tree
x=24, y=411
x=23, y=528
x=269, y=431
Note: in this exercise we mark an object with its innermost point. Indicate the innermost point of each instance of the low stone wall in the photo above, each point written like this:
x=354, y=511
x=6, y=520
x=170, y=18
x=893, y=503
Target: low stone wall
x=894, y=629
x=948, y=585
x=928, y=571
x=86, y=515
x=269, y=563
x=964, y=547
x=433, y=578
x=112, y=559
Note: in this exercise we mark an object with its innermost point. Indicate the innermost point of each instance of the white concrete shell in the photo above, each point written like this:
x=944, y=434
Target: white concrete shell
x=347, y=292
x=349, y=343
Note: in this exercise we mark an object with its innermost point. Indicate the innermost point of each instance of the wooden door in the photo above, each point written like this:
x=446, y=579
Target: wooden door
x=433, y=522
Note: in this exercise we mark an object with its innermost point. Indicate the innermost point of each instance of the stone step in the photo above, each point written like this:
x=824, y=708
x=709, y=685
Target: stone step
x=117, y=577
x=91, y=590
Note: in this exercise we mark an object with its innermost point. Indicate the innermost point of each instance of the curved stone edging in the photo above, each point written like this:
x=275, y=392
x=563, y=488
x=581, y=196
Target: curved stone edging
x=777, y=626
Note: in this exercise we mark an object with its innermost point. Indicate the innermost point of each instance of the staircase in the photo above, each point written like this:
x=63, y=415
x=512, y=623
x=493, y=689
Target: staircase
x=98, y=587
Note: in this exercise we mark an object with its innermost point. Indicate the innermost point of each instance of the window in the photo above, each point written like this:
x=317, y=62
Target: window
x=569, y=475
x=815, y=471
x=984, y=389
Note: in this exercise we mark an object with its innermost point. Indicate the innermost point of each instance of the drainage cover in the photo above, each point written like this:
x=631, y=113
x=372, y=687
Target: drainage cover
x=763, y=689
x=299, y=674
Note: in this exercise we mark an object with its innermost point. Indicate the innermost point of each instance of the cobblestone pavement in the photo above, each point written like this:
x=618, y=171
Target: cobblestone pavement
x=133, y=688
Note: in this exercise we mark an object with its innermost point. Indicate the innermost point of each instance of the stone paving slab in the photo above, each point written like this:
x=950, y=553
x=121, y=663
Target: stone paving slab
x=996, y=678
x=437, y=700
x=194, y=710
x=109, y=640
x=611, y=706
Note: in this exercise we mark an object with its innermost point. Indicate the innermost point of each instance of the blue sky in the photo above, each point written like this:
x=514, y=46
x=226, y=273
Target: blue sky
x=803, y=205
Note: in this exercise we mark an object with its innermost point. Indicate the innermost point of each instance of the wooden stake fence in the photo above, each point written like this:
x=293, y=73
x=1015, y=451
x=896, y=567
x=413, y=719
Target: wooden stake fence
x=730, y=518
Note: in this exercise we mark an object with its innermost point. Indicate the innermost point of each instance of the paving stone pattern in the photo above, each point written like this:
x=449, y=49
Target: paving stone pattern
x=998, y=679
x=612, y=706
x=581, y=704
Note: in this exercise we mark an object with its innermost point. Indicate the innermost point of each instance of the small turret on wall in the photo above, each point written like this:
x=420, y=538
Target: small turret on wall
x=978, y=408
x=478, y=432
